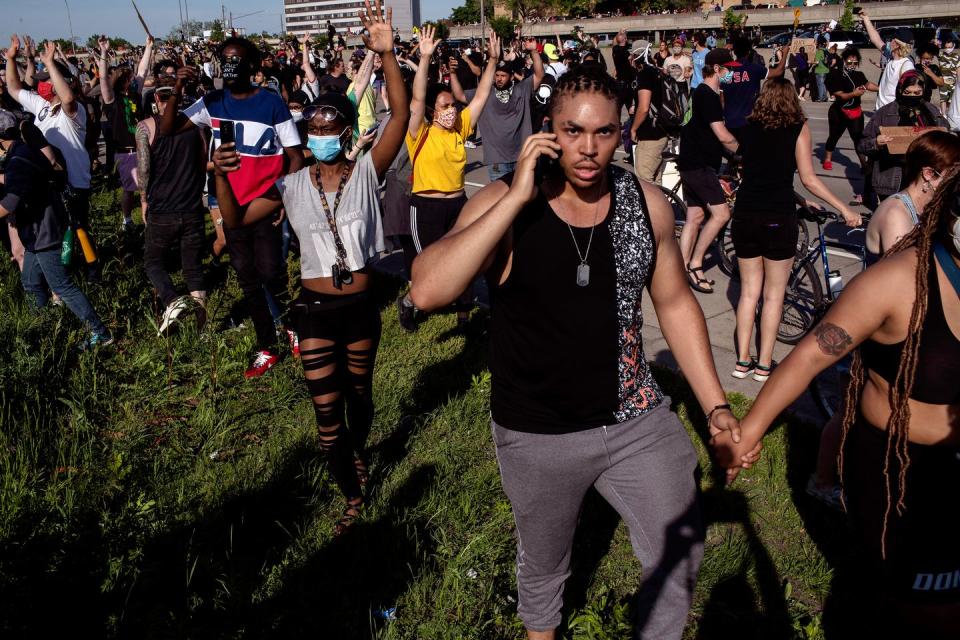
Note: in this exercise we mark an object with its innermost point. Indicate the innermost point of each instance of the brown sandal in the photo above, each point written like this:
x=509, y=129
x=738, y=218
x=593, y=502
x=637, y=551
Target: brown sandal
x=348, y=519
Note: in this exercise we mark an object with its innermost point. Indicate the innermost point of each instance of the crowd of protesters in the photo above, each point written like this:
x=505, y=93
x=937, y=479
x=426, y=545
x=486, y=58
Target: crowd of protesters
x=285, y=151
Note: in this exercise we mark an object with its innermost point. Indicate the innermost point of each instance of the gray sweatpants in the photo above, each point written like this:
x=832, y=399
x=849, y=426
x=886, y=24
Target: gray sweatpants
x=645, y=469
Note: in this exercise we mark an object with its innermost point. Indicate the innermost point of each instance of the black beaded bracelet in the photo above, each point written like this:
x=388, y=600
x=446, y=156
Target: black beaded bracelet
x=717, y=408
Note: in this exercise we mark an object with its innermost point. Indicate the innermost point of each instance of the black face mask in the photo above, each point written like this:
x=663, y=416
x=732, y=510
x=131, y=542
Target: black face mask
x=910, y=102
x=237, y=73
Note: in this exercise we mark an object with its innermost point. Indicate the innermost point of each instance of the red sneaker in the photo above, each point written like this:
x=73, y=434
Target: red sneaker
x=294, y=342
x=827, y=165
x=262, y=363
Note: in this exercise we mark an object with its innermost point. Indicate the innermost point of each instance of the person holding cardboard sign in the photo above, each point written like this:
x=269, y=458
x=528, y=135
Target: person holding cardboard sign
x=908, y=110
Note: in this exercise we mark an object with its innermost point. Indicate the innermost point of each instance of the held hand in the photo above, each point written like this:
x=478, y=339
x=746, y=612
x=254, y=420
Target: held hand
x=379, y=36
x=149, y=41
x=722, y=421
x=226, y=159
x=525, y=179
x=427, y=43
x=365, y=140
x=851, y=218
x=13, y=49
x=733, y=456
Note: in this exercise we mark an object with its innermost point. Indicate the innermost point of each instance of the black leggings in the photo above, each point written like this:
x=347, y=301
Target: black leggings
x=339, y=336
x=923, y=558
x=838, y=124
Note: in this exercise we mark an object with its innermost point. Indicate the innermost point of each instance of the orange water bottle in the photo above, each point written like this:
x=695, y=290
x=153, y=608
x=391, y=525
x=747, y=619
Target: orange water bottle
x=88, y=252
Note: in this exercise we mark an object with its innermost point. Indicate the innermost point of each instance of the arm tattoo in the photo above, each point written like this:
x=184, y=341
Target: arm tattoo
x=143, y=159
x=832, y=340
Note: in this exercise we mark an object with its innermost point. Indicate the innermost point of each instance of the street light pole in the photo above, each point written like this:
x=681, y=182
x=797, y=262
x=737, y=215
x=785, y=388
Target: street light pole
x=73, y=42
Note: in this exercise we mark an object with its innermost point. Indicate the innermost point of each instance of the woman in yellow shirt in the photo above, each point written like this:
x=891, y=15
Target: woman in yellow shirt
x=435, y=140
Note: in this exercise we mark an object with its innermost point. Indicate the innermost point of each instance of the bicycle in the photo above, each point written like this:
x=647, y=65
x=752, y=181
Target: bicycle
x=807, y=300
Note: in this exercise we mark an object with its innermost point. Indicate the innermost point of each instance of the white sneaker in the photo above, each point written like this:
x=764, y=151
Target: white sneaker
x=172, y=312
x=470, y=144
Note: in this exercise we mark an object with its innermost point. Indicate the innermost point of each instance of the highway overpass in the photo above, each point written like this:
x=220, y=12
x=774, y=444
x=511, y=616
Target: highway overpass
x=909, y=12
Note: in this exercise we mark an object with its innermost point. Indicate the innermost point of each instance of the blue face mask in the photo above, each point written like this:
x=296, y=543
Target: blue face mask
x=324, y=148
x=727, y=78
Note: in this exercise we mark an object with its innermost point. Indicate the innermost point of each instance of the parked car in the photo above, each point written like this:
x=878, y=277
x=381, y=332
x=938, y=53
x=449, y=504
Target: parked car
x=917, y=36
x=844, y=39
x=783, y=39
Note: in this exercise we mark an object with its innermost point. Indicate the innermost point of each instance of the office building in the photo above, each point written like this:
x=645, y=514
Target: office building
x=301, y=16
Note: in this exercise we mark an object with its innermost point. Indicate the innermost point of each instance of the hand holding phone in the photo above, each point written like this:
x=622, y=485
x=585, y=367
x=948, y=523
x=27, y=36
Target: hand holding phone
x=227, y=132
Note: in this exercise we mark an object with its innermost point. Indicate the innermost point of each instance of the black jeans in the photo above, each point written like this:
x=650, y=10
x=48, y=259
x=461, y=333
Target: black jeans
x=839, y=123
x=256, y=256
x=430, y=220
x=163, y=230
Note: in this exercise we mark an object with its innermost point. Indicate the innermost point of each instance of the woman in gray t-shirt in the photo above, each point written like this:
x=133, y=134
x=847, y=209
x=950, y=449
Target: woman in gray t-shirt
x=334, y=209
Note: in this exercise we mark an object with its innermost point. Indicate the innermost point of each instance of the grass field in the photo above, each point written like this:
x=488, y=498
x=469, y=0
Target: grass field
x=149, y=491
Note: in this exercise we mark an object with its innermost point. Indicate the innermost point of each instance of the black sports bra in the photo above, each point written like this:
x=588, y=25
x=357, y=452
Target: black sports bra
x=938, y=364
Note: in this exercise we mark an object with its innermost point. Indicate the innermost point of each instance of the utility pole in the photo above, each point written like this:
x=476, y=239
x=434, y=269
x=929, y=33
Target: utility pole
x=483, y=21
x=223, y=18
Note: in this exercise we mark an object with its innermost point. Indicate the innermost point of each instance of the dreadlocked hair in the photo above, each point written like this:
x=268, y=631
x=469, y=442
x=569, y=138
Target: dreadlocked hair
x=898, y=424
x=589, y=77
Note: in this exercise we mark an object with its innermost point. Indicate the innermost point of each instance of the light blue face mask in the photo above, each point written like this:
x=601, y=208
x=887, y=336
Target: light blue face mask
x=727, y=79
x=324, y=148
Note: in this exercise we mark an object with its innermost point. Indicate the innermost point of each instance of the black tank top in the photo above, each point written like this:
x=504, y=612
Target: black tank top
x=769, y=164
x=177, y=171
x=938, y=360
x=563, y=357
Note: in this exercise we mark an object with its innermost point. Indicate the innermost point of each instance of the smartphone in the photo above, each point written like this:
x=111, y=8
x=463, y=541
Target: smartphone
x=375, y=126
x=227, y=132
x=857, y=11
x=545, y=163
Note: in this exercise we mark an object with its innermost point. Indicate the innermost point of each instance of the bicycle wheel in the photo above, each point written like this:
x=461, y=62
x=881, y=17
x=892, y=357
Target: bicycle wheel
x=803, y=238
x=801, y=304
x=679, y=209
x=829, y=386
x=726, y=256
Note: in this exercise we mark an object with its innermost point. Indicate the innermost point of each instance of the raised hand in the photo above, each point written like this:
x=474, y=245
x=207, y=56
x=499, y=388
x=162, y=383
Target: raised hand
x=28, y=47
x=49, y=52
x=379, y=29
x=493, y=46
x=530, y=44
x=104, y=43
x=306, y=39
x=427, y=44
x=13, y=49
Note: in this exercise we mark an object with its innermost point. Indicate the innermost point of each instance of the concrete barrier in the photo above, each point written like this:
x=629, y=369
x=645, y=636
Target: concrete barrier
x=903, y=11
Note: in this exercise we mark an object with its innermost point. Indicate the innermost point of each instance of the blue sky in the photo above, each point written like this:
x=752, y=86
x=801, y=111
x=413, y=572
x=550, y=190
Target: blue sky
x=48, y=18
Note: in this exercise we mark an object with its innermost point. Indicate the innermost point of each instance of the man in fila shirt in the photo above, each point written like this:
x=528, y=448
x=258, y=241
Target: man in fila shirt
x=269, y=146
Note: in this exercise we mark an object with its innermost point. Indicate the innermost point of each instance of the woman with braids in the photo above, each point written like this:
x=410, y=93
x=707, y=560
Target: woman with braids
x=900, y=451
x=333, y=206
x=568, y=243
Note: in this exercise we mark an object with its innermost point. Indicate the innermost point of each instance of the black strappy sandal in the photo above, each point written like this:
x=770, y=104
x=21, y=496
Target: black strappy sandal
x=363, y=475
x=349, y=518
x=696, y=282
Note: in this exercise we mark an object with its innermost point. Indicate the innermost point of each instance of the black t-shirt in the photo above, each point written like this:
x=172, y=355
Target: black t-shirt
x=621, y=62
x=337, y=84
x=769, y=164
x=649, y=78
x=30, y=193
x=699, y=146
x=845, y=81
x=123, y=114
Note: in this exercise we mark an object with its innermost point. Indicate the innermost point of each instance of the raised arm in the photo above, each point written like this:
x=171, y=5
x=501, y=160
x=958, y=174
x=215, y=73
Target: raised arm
x=379, y=40
x=309, y=75
x=804, y=155
x=530, y=45
x=142, y=138
x=144, y=65
x=362, y=78
x=781, y=67
x=29, y=52
x=872, y=32
x=418, y=104
x=455, y=87
x=486, y=80
x=68, y=101
x=13, y=73
x=474, y=69
x=106, y=90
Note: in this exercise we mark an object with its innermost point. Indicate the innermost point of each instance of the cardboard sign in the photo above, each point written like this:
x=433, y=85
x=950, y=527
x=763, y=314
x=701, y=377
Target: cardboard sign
x=809, y=45
x=903, y=136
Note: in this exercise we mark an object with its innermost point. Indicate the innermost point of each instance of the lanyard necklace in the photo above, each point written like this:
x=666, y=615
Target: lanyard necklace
x=583, y=269
x=341, y=274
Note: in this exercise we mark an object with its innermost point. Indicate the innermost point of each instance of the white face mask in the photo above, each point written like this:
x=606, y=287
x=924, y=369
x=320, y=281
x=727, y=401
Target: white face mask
x=296, y=115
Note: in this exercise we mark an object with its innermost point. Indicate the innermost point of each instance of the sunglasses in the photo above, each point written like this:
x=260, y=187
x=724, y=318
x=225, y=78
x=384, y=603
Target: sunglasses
x=326, y=112
x=231, y=59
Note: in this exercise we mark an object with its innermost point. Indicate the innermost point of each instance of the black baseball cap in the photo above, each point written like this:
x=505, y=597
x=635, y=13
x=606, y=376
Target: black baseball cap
x=719, y=56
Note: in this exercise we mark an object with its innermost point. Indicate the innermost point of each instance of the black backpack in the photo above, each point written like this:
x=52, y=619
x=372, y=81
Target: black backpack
x=670, y=112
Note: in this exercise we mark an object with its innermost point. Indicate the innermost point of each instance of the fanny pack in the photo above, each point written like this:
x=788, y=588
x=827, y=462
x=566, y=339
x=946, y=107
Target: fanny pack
x=853, y=113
